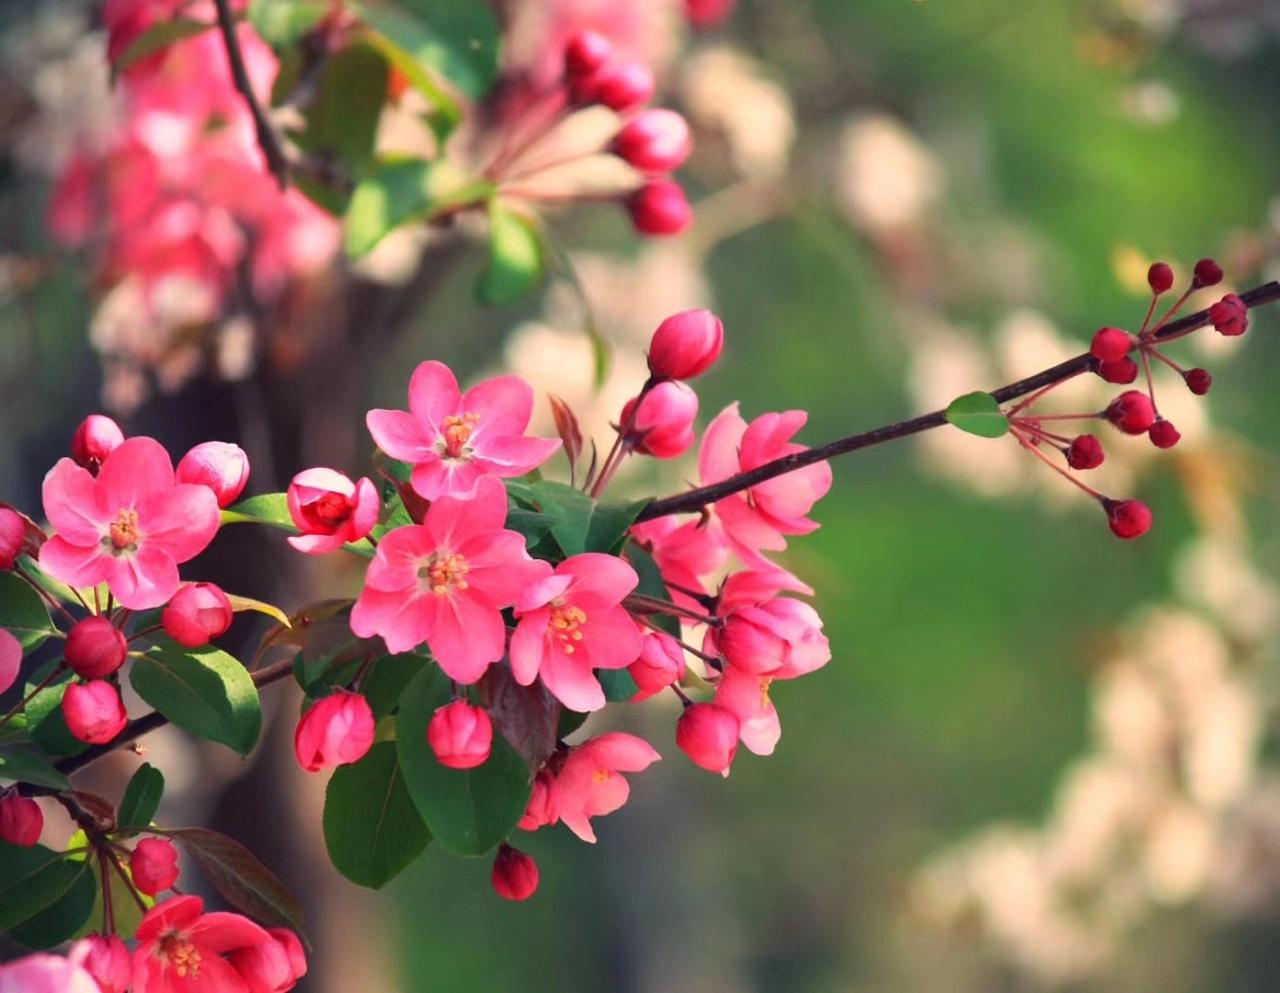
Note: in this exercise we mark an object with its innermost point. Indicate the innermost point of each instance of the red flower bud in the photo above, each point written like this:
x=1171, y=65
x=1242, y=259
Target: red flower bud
x=663, y=424
x=13, y=532
x=21, y=820
x=1198, y=381
x=107, y=960
x=1160, y=277
x=1128, y=518
x=1085, y=452
x=659, y=208
x=686, y=345
x=708, y=13
x=10, y=659
x=330, y=510
x=273, y=966
x=198, y=613
x=539, y=811
x=1132, y=412
x=709, y=736
x=1163, y=434
x=95, y=648
x=154, y=865
x=336, y=730
x=1110, y=344
x=93, y=711
x=461, y=735
x=620, y=86
x=95, y=439
x=1121, y=371
x=660, y=664
x=1208, y=273
x=585, y=52
x=515, y=874
x=219, y=465
x=654, y=141
x=1230, y=316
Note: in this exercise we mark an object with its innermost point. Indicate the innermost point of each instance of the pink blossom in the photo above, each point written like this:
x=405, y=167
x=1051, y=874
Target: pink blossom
x=10, y=659
x=198, y=613
x=93, y=711
x=764, y=633
x=453, y=439
x=13, y=535
x=94, y=439
x=130, y=527
x=330, y=510
x=655, y=140
x=154, y=865
x=662, y=426
x=219, y=465
x=272, y=966
x=590, y=783
x=708, y=734
x=571, y=623
x=180, y=948
x=660, y=664
x=337, y=730
x=760, y=517
x=461, y=735
x=21, y=820
x=684, y=552
x=659, y=208
x=539, y=811
x=445, y=582
x=41, y=973
x=95, y=647
x=686, y=344
x=746, y=696
x=106, y=959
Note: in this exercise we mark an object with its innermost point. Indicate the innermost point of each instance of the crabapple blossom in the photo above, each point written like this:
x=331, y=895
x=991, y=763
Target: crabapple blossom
x=154, y=865
x=181, y=948
x=96, y=437
x=570, y=623
x=198, y=613
x=539, y=811
x=684, y=551
x=41, y=973
x=95, y=648
x=461, y=735
x=446, y=581
x=655, y=140
x=590, y=783
x=686, y=345
x=21, y=820
x=10, y=659
x=777, y=635
x=659, y=208
x=708, y=734
x=662, y=424
x=129, y=527
x=219, y=465
x=514, y=875
x=746, y=696
x=93, y=711
x=106, y=959
x=660, y=663
x=13, y=532
x=336, y=730
x=330, y=510
x=272, y=966
x=619, y=84
x=453, y=439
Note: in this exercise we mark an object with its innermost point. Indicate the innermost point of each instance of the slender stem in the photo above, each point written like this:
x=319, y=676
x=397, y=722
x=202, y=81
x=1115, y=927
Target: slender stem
x=44, y=594
x=128, y=883
x=108, y=911
x=696, y=499
x=1055, y=467
x=268, y=140
x=618, y=450
x=22, y=704
x=652, y=605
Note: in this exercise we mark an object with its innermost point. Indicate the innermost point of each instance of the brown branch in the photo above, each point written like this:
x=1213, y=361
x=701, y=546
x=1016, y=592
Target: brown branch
x=135, y=729
x=268, y=140
x=694, y=500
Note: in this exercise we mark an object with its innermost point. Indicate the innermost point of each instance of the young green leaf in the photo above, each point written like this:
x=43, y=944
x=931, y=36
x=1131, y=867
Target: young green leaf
x=44, y=713
x=403, y=190
x=204, y=691
x=66, y=915
x=19, y=766
x=607, y=529
x=31, y=879
x=617, y=684
x=515, y=257
x=282, y=23
x=22, y=612
x=141, y=798
x=978, y=413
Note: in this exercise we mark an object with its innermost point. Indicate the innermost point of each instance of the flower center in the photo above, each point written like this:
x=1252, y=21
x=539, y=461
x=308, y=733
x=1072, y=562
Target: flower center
x=765, y=683
x=565, y=621
x=445, y=572
x=600, y=775
x=458, y=429
x=123, y=531
x=182, y=955
x=331, y=509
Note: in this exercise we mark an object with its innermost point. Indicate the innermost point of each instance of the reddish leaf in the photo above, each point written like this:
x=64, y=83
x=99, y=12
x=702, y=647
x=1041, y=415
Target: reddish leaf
x=525, y=715
x=568, y=429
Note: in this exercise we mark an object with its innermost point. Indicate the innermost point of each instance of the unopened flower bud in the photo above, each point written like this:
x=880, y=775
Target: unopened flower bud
x=13, y=532
x=219, y=465
x=93, y=711
x=461, y=735
x=655, y=140
x=1163, y=434
x=686, y=345
x=660, y=664
x=1208, y=273
x=1160, y=277
x=708, y=13
x=662, y=425
x=1128, y=518
x=1085, y=452
x=336, y=730
x=95, y=439
x=1110, y=344
x=620, y=85
x=659, y=208
x=95, y=648
x=21, y=820
x=709, y=736
x=107, y=960
x=585, y=52
x=1198, y=381
x=330, y=510
x=1121, y=372
x=1230, y=316
x=198, y=613
x=515, y=874
x=539, y=811
x=154, y=865
x=1132, y=412
x=273, y=966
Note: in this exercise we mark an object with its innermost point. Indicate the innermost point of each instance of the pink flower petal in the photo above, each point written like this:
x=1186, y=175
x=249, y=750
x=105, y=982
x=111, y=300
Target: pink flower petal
x=570, y=680
x=542, y=592
x=316, y=482
x=75, y=565
x=718, y=455
x=513, y=456
x=139, y=467
x=504, y=405
x=452, y=520
x=619, y=750
x=766, y=437
x=223, y=932
x=402, y=619
x=73, y=503
x=610, y=638
x=433, y=396
x=181, y=520
x=400, y=435
x=467, y=636
x=144, y=579
x=606, y=577
x=175, y=914
x=528, y=645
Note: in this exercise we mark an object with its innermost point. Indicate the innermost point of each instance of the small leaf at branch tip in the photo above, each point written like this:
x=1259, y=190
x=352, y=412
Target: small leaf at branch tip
x=243, y=603
x=978, y=414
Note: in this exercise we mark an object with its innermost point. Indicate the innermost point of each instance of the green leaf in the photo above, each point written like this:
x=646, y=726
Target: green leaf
x=342, y=119
x=240, y=878
x=617, y=684
x=530, y=523
x=265, y=508
x=66, y=915
x=570, y=512
x=158, y=37
x=22, y=612
x=515, y=257
x=468, y=810
x=31, y=879
x=204, y=691
x=44, y=714
x=651, y=585
x=283, y=22
x=408, y=46
x=371, y=826
x=141, y=798
x=461, y=42
x=403, y=190
x=978, y=413
x=27, y=767
x=386, y=680
x=607, y=529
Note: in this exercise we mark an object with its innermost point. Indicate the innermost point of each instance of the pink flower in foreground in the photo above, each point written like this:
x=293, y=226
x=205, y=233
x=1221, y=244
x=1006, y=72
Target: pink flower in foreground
x=272, y=966
x=759, y=517
x=662, y=425
x=445, y=582
x=684, y=552
x=180, y=948
x=337, y=730
x=571, y=624
x=130, y=527
x=746, y=696
x=154, y=865
x=219, y=465
x=93, y=711
x=660, y=663
x=452, y=439
x=106, y=959
x=198, y=613
x=43, y=973
x=330, y=510
x=590, y=783
x=781, y=635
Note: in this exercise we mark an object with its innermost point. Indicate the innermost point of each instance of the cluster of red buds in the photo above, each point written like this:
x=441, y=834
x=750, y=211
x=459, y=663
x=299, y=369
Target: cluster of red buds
x=1134, y=412
x=654, y=141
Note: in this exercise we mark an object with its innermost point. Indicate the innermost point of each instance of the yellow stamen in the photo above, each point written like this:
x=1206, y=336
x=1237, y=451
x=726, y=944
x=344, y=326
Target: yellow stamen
x=124, y=530
x=445, y=572
x=565, y=621
x=457, y=432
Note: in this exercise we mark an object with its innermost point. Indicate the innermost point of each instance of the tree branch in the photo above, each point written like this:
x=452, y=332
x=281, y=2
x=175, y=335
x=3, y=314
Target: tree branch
x=268, y=140
x=695, y=500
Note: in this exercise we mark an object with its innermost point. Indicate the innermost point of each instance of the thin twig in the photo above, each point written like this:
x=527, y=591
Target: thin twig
x=268, y=140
